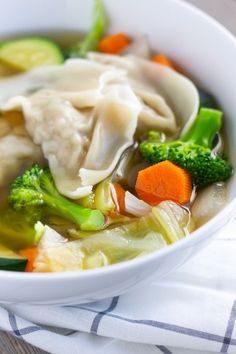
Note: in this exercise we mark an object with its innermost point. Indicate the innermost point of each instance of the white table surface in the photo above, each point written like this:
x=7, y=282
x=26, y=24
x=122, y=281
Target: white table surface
x=225, y=12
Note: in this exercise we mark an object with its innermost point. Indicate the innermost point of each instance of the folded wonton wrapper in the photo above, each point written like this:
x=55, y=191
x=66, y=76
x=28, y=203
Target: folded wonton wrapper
x=16, y=151
x=84, y=113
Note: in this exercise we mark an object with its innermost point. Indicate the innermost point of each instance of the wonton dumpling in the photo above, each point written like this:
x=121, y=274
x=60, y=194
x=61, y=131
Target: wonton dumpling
x=16, y=151
x=162, y=90
x=78, y=80
x=77, y=159
x=112, y=134
x=84, y=113
x=61, y=130
x=57, y=126
x=116, y=121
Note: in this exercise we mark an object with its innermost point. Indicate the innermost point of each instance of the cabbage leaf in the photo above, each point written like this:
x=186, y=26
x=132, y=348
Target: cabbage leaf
x=165, y=224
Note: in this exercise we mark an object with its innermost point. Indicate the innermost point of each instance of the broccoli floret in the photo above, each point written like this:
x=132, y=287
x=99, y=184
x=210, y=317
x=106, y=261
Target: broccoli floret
x=193, y=150
x=36, y=188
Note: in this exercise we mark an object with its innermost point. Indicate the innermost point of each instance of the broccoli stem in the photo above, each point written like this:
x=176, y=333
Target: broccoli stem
x=36, y=189
x=204, y=128
x=88, y=219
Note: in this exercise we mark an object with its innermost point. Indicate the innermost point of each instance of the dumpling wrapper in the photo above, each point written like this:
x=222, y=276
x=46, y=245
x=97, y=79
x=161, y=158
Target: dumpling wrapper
x=65, y=135
x=78, y=80
x=84, y=113
x=164, y=93
x=161, y=90
x=112, y=135
x=15, y=152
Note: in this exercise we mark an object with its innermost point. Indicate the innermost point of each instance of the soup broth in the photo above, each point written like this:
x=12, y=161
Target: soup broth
x=103, y=158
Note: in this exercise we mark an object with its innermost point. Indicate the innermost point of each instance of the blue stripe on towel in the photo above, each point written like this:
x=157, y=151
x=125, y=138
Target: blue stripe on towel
x=99, y=316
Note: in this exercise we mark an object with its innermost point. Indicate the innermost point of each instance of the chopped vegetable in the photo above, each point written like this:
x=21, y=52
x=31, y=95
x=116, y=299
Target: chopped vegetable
x=208, y=203
x=100, y=198
x=30, y=254
x=9, y=260
x=103, y=196
x=114, y=218
x=88, y=201
x=27, y=53
x=164, y=225
x=17, y=230
x=135, y=206
x=36, y=188
x=175, y=221
x=107, y=197
x=119, y=197
x=139, y=47
x=163, y=60
x=5, y=70
x=164, y=181
x=114, y=44
x=193, y=151
x=91, y=40
x=207, y=100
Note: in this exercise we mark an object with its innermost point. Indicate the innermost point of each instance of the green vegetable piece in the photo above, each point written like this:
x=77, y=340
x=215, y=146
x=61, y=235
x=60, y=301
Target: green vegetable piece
x=17, y=230
x=9, y=260
x=91, y=40
x=36, y=188
x=88, y=201
x=27, y=53
x=165, y=224
x=103, y=196
x=207, y=100
x=154, y=136
x=193, y=151
x=204, y=128
x=174, y=220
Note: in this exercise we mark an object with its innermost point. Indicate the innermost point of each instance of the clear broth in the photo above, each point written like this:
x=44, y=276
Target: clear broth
x=65, y=40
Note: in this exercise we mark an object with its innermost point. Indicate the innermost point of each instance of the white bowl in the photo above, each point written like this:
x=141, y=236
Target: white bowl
x=207, y=51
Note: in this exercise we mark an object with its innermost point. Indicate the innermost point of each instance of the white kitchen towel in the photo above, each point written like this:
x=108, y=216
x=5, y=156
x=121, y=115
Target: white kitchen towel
x=193, y=310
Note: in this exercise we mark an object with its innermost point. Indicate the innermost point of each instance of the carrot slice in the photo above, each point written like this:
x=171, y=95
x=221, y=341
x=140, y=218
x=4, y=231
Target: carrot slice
x=163, y=60
x=114, y=44
x=30, y=254
x=164, y=181
x=119, y=198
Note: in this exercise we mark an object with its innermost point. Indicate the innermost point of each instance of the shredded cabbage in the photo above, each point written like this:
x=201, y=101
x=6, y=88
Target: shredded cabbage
x=100, y=198
x=208, y=203
x=135, y=206
x=135, y=238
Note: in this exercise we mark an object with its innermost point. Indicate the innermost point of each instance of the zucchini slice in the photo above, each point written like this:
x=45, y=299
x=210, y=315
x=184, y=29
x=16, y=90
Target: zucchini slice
x=27, y=53
x=9, y=260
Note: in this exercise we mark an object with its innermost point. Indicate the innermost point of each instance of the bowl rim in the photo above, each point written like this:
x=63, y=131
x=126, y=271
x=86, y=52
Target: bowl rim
x=212, y=226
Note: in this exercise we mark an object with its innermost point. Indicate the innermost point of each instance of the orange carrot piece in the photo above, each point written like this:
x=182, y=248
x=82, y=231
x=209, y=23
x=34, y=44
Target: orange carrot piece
x=30, y=254
x=163, y=60
x=114, y=44
x=164, y=181
x=119, y=198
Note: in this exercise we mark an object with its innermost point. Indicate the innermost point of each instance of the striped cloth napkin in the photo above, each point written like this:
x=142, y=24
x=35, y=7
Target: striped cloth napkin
x=191, y=311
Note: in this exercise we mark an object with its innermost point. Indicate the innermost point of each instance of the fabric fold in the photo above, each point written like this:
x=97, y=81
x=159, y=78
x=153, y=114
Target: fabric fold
x=191, y=311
